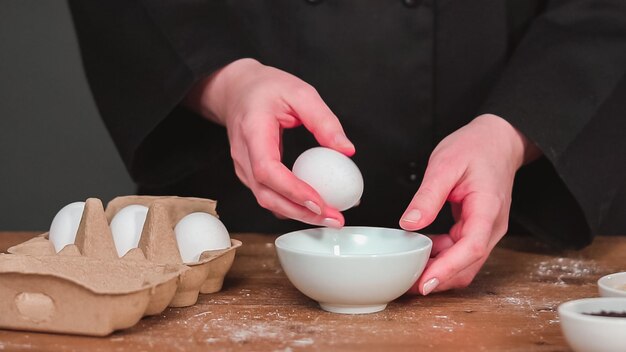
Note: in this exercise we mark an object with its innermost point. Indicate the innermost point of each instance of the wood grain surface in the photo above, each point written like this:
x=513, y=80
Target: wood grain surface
x=510, y=306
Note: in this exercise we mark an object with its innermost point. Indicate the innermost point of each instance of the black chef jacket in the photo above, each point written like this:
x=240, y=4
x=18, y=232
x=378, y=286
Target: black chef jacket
x=400, y=75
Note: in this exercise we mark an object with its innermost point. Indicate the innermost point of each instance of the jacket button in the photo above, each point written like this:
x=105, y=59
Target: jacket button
x=410, y=3
x=412, y=172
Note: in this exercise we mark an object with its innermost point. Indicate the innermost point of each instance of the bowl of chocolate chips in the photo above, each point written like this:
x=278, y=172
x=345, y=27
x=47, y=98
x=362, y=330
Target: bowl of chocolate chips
x=594, y=324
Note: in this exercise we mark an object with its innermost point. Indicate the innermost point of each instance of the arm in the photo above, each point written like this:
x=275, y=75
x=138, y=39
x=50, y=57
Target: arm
x=140, y=63
x=561, y=89
x=255, y=103
x=558, y=91
x=473, y=169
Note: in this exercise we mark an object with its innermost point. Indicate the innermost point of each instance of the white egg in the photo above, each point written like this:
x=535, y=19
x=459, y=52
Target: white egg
x=65, y=225
x=126, y=227
x=199, y=232
x=333, y=175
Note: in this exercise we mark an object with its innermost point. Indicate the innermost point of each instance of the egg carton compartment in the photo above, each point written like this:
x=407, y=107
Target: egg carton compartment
x=81, y=295
x=43, y=290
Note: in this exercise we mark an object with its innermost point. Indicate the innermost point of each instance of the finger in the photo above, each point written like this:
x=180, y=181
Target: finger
x=456, y=210
x=279, y=216
x=472, y=247
x=450, y=262
x=280, y=144
x=239, y=171
x=281, y=206
x=463, y=279
x=241, y=163
x=439, y=180
x=263, y=145
x=466, y=276
x=440, y=243
x=317, y=117
x=481, y=210
x=415, y=289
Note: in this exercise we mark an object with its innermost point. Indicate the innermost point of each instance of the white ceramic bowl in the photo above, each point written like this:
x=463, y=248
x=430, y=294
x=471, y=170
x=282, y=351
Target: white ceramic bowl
x=588, y=333
x=353, y=270
x=613, y=285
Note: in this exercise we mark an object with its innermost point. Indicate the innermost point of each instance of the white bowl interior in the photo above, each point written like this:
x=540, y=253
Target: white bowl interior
x=613, y=285
x=354, y=269
x=586, y=332
x=577, y=309
x=353, y=241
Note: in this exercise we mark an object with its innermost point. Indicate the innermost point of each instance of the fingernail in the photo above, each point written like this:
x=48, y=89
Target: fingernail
x=313, y=207
x=330, y=222
x=343, y=141
x=430, y=285
x=412, y=215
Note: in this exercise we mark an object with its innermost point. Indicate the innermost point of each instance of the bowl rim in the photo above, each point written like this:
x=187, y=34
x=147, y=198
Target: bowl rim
x=565, y=310
x=427, y=247
x=602, y=282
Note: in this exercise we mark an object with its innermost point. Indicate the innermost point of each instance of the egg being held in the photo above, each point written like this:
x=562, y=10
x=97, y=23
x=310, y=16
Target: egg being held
x=65, y=225
x=199, y=232
x=333, y=175
x=126, y=227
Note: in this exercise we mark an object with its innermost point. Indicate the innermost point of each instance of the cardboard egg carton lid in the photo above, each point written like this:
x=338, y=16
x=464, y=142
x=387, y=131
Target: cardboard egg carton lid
x=64, y=292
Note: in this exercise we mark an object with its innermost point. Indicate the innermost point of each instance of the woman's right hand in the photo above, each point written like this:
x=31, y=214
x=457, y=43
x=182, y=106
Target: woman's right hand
x=256, y=102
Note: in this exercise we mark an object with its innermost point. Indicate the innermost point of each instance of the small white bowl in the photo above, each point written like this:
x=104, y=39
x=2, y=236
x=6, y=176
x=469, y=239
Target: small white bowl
x=588, y=333
x=613, y=285
x=353, y=270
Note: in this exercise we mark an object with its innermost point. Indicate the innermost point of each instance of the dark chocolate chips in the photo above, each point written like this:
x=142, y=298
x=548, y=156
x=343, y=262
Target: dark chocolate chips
x=604, y=313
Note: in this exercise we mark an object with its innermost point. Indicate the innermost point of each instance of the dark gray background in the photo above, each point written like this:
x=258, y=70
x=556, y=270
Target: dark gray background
x=54, y=149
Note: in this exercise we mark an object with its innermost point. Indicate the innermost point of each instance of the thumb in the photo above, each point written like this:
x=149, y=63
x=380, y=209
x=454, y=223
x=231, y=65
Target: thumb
x=317, y=117
x=438, y=182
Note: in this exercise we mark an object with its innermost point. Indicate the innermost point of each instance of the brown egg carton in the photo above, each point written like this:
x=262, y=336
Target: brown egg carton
x=87, y=289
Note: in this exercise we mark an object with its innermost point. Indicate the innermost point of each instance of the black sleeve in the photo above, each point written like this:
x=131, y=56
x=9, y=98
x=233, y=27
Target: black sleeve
x=565, y=89
x=141, y=58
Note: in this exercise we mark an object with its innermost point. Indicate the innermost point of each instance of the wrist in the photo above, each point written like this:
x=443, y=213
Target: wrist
x=522, y=149
x=210, y=96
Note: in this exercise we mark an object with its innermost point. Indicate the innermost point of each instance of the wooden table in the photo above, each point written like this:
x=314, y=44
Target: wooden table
x=511, y=306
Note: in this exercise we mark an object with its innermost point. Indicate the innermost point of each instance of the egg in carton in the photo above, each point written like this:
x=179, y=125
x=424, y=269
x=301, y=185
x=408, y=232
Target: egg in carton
x=158, y=243
x=86, y=288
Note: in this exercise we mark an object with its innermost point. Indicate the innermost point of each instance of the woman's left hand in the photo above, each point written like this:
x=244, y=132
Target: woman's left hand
x=473, y=169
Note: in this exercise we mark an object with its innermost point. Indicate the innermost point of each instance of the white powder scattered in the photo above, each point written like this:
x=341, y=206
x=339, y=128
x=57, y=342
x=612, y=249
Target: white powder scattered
x=513, y=300
x=16, y=346
x=303, y=342
x=563, y=269
x=249, y=327
x=444, y=327
x=201, y=314
x=287, y=349
x=446, y=324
